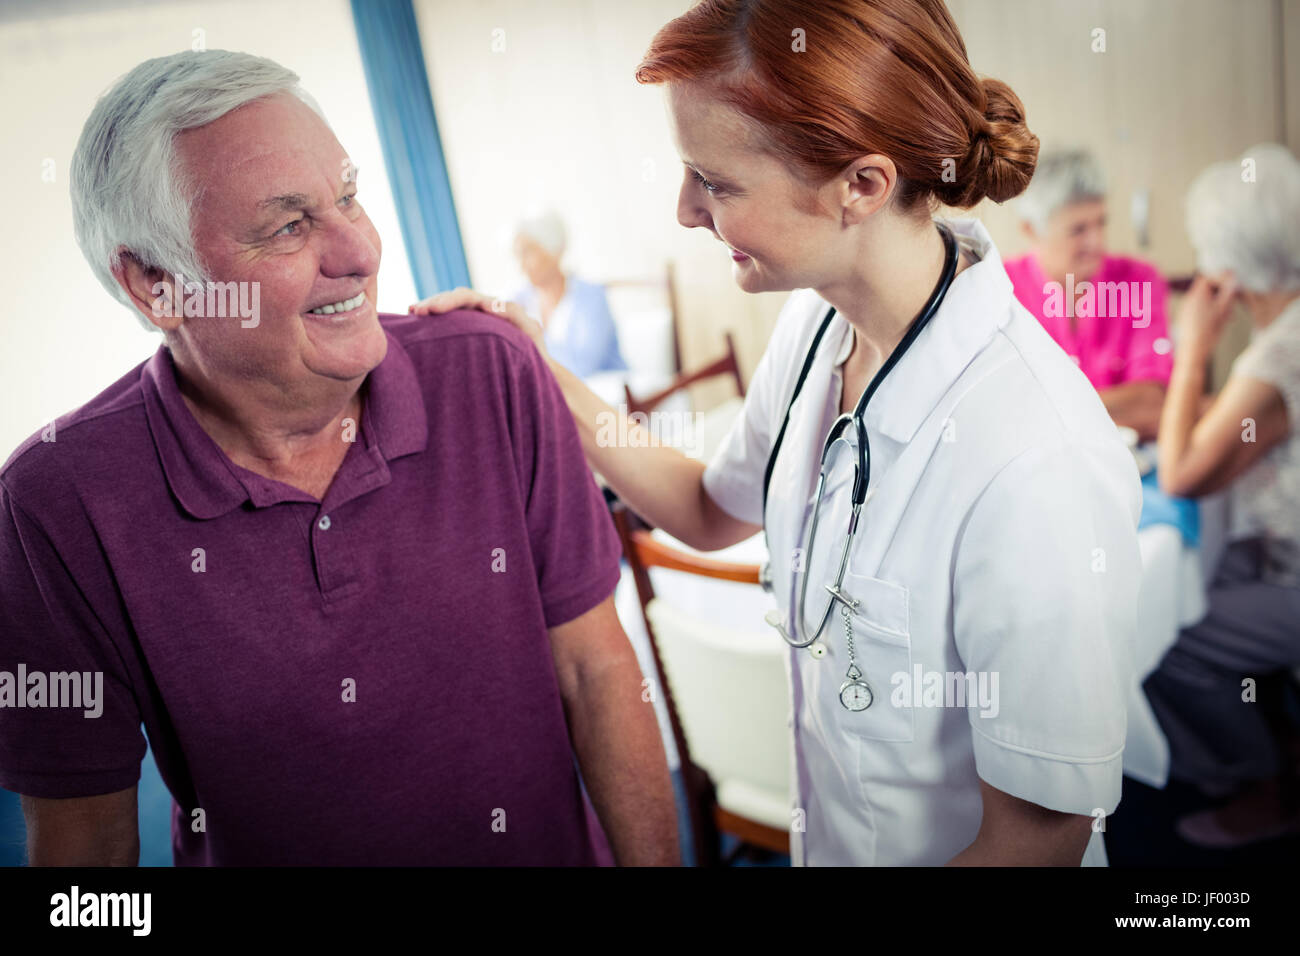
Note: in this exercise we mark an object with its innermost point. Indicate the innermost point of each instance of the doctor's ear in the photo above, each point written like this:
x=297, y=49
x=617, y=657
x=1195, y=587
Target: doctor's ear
x=865, y=186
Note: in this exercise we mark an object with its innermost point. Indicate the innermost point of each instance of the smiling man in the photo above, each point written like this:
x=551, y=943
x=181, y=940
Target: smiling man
x=350, y=571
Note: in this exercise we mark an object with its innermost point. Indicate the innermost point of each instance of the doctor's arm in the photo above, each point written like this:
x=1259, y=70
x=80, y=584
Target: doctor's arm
x=1015, y=832
x=656, y=481
x=616, y=738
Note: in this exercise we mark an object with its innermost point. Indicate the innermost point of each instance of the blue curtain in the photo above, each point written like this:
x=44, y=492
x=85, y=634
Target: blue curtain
x=408, y=132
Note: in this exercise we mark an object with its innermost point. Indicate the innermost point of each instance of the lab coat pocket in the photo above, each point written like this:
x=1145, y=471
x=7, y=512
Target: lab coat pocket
x=883, y=649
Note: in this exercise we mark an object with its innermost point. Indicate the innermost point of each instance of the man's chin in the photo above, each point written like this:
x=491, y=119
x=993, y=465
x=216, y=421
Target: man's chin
x=347, y=349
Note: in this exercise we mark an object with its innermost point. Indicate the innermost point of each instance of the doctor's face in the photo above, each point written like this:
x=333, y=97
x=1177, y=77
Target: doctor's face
x=750, y=200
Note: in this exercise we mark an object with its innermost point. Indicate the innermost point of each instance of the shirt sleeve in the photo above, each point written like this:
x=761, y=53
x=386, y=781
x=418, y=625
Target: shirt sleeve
x=1045, y=603
x=50, y=637
x=575, y=549
x=1150, y=355
x=1273, y=357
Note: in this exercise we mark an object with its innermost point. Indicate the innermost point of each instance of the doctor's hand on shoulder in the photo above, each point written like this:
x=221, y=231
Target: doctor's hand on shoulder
x=463, y=298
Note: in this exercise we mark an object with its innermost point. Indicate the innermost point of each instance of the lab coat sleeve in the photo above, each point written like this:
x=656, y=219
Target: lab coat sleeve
x=734, y=476
x=1045, y=584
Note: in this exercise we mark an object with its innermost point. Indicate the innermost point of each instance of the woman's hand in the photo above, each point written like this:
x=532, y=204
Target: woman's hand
x=1205, y=312
x=462, y=298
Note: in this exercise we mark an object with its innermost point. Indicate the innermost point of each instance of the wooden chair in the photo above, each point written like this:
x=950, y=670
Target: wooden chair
x=708, y=819
x=727, y=365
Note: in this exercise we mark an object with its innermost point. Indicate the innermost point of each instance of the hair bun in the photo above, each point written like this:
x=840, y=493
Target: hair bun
x=1001, y=156
x=1005, y=151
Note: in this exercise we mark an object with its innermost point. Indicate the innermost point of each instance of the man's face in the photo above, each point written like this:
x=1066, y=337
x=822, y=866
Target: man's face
x=277, y=205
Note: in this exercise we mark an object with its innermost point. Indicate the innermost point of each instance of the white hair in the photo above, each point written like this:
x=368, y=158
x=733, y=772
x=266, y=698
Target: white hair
x=127, y=194
x=1244, y=215
x=544, y=227
x=1061, y=177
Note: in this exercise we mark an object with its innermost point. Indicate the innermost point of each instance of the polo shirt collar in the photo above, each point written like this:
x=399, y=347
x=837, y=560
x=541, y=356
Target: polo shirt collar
x=976, y=306
x=208, y=484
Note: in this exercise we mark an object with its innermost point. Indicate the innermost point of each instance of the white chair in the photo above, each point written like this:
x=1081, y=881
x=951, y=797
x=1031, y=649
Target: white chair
x=728, y=701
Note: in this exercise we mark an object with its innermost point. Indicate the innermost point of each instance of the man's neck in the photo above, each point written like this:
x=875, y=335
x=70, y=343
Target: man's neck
x=299, y=439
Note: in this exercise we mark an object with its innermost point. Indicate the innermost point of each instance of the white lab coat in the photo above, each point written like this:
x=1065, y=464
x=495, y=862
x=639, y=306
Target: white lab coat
x=998, y=538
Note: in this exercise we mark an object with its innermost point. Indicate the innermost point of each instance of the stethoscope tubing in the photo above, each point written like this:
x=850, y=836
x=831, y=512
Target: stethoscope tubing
x=854, y=420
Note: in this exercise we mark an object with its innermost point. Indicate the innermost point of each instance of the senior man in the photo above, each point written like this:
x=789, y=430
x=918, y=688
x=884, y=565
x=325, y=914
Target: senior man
x=350, y=571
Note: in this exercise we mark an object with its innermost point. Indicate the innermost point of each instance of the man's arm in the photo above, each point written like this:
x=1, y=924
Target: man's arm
x=616, y=737
x=83, y=831
x=1137, y=405
x=1015, y=832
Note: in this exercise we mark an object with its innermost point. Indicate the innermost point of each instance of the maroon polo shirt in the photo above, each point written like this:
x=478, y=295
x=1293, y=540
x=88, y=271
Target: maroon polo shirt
x=365, y=679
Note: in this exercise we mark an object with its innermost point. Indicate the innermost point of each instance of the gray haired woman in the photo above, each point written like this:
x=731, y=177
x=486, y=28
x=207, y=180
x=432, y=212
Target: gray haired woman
x=1218, y=692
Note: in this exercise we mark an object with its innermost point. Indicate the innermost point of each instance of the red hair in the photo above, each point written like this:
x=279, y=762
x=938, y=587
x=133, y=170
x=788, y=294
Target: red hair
x=829, y=81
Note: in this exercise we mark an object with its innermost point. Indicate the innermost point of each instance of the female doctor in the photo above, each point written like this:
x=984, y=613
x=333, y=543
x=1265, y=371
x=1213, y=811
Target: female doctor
x=956, y=559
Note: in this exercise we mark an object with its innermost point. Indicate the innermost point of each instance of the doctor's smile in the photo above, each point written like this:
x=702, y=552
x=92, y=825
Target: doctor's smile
x=836, y=495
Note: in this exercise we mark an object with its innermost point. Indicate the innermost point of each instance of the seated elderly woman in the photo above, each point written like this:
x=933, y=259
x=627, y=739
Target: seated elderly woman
x=1108, y=312
x=1216, y=693
x=349, y=570
x=576, y=322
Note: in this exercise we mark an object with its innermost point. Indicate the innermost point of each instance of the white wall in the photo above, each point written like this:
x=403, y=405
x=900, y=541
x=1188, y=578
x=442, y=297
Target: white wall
x=64, y=338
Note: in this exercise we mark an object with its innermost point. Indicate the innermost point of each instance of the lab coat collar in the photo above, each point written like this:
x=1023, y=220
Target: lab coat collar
x=975, y=308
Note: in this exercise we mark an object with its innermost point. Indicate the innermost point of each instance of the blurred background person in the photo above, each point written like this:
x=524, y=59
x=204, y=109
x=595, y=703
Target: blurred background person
x=576, y=320
x=1125, y=355
x=1246, y=232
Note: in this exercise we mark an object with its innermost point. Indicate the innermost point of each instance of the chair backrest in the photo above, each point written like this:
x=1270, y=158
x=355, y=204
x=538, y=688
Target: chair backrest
x=732, y=697
x=726, y=365
x=646, y=316
x=727, y=690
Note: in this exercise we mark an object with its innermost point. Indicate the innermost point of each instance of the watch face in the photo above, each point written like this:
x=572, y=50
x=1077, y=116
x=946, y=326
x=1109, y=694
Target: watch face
x=855, y=695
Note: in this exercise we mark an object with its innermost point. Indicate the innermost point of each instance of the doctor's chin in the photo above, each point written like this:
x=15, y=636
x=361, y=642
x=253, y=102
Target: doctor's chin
x=787, y=433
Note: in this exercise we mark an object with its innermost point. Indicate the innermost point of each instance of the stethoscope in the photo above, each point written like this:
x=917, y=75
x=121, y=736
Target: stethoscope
x=855, y=694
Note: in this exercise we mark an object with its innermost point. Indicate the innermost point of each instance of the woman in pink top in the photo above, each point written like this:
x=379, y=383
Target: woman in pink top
x=1107, y=312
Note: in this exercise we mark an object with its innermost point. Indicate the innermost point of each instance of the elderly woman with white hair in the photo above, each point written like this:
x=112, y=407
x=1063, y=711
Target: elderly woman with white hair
x=1108, y=312
x=576, y=321
x=1244, y=221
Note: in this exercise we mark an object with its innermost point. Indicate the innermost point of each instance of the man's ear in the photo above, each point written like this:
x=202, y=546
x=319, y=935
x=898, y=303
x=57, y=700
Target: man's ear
x=865, y=186
x=151, y=290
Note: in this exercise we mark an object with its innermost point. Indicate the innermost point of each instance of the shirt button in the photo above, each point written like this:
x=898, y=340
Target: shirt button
x=324, y=523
